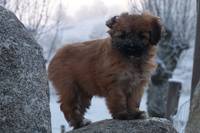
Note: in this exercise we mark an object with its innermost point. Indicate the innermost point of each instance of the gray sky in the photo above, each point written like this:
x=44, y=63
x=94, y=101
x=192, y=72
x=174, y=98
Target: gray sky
x=73, y=6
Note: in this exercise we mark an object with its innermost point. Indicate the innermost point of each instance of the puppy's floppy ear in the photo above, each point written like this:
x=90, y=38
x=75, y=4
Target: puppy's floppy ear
x=155, y=33
x=111, y=21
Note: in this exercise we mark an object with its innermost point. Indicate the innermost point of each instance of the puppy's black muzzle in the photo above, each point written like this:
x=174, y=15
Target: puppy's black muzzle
x=130, y=47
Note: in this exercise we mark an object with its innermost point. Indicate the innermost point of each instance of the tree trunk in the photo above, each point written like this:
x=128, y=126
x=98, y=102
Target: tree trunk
x=196, y=64
x=168, y=57
x=194, y=116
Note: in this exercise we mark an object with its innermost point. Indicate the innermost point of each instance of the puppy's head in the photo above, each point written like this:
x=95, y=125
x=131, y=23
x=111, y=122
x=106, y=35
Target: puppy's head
x=133, y=34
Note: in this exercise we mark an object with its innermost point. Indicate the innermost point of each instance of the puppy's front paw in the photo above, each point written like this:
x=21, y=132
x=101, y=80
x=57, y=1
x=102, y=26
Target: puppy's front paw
x=139, y=115
x=142, y=115
x=86, y=122
x=83, y=123
x=121, y=116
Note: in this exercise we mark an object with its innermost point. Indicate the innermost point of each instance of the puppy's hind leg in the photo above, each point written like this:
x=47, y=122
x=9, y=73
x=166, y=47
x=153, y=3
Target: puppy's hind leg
x=84, y=104
x=73, y=108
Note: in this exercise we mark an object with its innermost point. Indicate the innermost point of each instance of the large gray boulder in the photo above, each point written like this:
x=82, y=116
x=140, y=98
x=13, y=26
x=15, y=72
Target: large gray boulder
x=151, y=125
x=24, y=94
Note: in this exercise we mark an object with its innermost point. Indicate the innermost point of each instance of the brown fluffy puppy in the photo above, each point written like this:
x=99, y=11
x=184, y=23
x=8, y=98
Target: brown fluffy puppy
x=117, y=68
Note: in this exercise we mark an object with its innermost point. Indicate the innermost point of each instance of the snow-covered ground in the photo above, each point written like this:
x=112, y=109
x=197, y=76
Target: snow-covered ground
x=180, y=119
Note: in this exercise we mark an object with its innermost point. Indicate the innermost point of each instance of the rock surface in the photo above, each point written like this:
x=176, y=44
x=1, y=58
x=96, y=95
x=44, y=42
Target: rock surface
x=24, y=94
x=151, y=125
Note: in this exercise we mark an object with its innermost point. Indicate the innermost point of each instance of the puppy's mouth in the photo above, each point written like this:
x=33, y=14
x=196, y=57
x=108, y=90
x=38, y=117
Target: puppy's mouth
x=133, y=50
x=130, y=47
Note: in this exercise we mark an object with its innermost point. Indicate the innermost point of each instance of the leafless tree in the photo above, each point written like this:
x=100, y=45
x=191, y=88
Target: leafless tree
x=36, y=15
x=178, y=17
x=196, y=64
x=33, y=13
x=59, y=15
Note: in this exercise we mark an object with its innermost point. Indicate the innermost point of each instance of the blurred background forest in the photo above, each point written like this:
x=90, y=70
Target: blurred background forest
x=56, y=23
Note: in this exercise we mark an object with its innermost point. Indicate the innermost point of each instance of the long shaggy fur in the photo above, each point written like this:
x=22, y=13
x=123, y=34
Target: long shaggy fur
x=117, y=68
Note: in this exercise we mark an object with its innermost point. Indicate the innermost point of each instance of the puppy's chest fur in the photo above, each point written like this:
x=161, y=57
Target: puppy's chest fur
x=133, y=77
x=123, y=74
